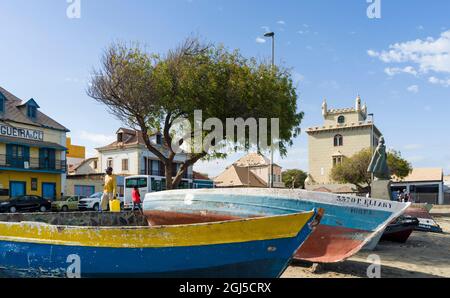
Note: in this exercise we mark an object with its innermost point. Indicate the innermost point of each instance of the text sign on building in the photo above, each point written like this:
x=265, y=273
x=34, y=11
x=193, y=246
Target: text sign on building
x=23, y=133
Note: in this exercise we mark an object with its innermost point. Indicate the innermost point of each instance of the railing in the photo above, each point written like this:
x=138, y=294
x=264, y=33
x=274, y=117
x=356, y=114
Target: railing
x=36, y=164
x=161, y=173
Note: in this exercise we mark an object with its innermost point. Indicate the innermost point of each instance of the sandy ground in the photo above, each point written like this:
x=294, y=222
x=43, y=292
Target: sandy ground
x=425, y=255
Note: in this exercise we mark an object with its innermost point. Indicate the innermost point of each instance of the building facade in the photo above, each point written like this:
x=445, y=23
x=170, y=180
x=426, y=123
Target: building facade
x=252, y=170
x=32, y=150
x=129, y=156
x=75, y=154
x=425, y=185
x=344, y=133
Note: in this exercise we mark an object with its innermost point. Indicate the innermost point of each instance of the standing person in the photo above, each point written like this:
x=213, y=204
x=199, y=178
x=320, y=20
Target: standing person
x=109, y=190
x=136, y=196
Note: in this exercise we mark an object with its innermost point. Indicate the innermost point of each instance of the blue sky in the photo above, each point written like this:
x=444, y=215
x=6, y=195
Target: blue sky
x=399, y=64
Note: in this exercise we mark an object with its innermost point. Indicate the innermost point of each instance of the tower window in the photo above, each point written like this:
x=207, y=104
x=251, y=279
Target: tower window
x=337, y=160
x=338, y=141
x=341, y=119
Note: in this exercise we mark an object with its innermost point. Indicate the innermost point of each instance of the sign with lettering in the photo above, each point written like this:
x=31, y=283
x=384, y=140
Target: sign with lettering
x=23, y=133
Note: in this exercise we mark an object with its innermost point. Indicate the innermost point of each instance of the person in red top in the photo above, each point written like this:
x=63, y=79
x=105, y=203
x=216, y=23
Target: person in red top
x=136, y=196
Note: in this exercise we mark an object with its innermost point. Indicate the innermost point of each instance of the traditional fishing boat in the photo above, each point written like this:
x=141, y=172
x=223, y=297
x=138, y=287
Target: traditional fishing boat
x=123, y=245
x=426, y=221
x=347, y=225
x=400, y=229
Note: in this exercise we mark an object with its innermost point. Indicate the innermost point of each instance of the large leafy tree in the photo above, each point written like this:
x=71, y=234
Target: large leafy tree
x=353, y=170
x=295, y=178
x=149, y=92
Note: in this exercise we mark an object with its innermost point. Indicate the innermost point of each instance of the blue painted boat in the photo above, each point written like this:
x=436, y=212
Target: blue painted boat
x=348, y=224
x=257, y=248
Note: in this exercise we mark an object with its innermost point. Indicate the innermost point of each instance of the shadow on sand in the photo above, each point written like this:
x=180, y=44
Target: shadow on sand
x=359, y=269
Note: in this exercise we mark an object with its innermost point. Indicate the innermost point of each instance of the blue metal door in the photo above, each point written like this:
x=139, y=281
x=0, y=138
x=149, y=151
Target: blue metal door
x=17, y=189
x=49, y=191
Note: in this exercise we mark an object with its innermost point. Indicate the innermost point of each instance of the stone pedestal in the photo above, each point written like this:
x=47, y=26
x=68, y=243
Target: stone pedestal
x=381, y=189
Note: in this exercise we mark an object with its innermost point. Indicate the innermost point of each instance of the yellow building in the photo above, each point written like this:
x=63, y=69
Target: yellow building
x=75, y=154
x=344, y=133
x=32, y=150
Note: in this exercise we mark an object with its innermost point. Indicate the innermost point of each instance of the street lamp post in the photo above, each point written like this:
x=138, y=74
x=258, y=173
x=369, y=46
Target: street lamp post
x=272, y=35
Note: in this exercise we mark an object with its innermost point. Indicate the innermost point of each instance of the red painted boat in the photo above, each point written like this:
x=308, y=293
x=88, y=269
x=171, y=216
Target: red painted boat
x=348, y=223
x=400, y=229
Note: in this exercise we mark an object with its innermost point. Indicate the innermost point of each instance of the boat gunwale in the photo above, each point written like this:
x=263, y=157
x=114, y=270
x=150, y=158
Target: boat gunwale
x=290, y=231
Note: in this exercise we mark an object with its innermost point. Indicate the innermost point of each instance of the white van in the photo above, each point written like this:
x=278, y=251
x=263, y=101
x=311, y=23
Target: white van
x=144, y=184
x=147, y=184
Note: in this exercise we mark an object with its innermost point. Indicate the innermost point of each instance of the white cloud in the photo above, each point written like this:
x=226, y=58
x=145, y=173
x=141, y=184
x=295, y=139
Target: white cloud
x=392, y=71
x=413, y=89
x=260, y=40
x=436, y=81
x=281, y=22
x=430, y=54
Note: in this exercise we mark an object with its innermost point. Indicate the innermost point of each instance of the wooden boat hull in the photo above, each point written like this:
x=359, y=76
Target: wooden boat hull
x=347, y=225
x=256, y=248
x=400, y=230
x=426, y=221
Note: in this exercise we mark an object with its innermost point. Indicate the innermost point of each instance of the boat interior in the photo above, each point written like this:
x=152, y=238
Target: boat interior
x=84, y=219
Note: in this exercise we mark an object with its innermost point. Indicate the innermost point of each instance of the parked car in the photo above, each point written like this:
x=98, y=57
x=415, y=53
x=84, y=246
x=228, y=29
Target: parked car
x=67, y=204
x=26, y=204
x=93, y=202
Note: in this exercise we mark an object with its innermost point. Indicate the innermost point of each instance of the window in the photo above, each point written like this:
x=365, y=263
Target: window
x=31, y=112
x=119, y=137
x=110, y=163
x=124, y=164
x=47, y=158
x=95, y=165
x=2, y=103
x=337, y=160
x=341, y=119
x=159, y=139
x=17, y=155
x=338, y=141
x=139, y=182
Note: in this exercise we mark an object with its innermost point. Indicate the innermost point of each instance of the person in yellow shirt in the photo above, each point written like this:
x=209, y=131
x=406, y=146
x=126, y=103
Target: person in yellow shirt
x=109, y=190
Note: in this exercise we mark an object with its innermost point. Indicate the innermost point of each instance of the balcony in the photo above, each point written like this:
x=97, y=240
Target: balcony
x=33, y=164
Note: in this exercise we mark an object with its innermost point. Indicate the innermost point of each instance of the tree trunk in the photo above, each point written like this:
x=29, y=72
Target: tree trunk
x=168, y=171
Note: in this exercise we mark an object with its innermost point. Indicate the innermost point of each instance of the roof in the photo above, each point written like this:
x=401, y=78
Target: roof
x=253, y=160
x=130, y=138
x=236, y=176
x=424, y=175
x=312, y=130
x=88, y=160
x=322, y=189
x=15, y=112
x=200, y=176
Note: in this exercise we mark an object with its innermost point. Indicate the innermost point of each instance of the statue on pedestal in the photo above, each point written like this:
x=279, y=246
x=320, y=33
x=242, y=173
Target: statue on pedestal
x=378, y=166
x=381, y=186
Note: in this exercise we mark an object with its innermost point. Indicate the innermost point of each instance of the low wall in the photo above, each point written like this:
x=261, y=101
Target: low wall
x=84, y=219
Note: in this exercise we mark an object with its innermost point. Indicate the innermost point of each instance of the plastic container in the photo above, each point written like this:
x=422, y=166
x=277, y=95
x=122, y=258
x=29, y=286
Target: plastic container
x=114, y=206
